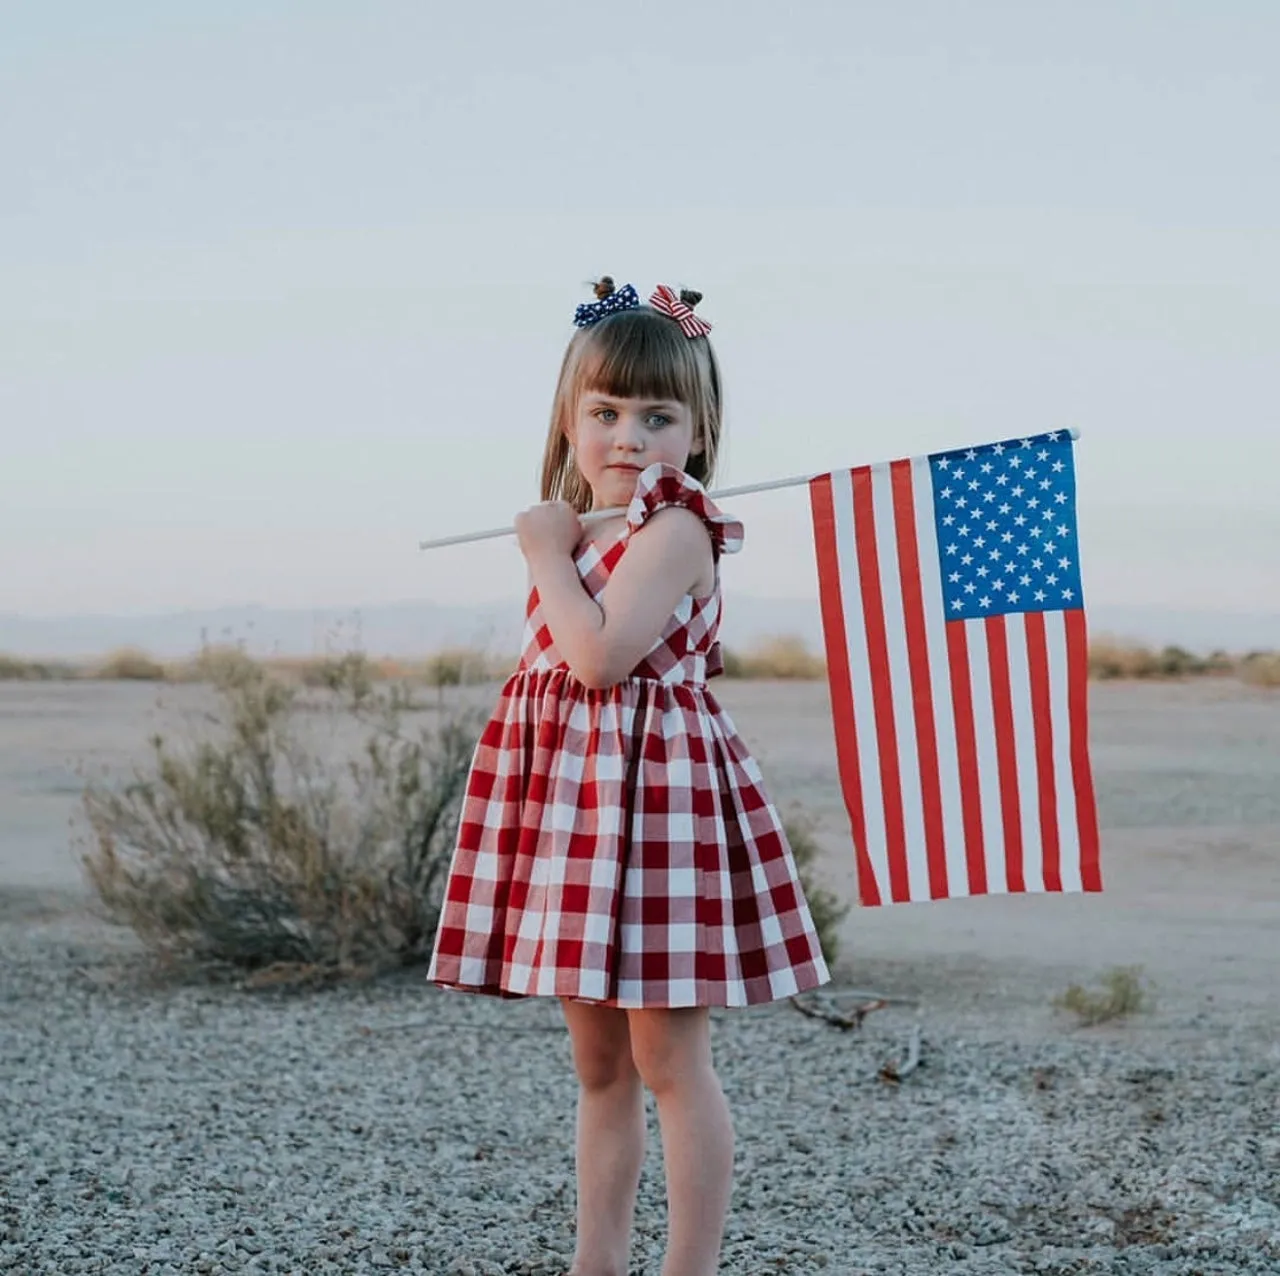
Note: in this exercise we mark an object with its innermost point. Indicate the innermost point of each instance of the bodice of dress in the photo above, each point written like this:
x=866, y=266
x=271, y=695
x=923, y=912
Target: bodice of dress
x=687, y=650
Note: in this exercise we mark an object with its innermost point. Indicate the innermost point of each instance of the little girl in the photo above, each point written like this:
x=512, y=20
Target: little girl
x=617, y=849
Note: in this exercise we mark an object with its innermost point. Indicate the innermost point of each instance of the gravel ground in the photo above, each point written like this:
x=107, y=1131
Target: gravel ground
x=159, y=1127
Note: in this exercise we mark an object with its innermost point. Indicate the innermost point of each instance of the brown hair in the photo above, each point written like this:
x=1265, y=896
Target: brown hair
x=633, y=354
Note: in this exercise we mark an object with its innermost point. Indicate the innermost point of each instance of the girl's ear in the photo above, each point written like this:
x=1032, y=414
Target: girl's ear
x=696, y=448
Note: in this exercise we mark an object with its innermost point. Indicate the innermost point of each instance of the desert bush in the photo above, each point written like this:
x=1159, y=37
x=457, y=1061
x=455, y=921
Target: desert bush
x=463, y=666
x=732, y=662
x=451, y=667
x=15, y=669
x=827, y=909
x=351, y=673
x=785, y=656
x=1177, y=662
x=1261, y=668
x=1220, y=662
x=251, y=847
x=128, y=665
x=1111, y=658
x=216, y=664
x=1123, y=992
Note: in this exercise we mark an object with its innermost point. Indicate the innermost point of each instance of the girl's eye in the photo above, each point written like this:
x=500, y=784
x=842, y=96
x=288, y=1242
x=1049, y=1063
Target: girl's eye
x=657, y=420
x=607, y=414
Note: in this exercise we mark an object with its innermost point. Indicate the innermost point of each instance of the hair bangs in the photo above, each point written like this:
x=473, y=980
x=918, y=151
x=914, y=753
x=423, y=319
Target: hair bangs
x=639, y=355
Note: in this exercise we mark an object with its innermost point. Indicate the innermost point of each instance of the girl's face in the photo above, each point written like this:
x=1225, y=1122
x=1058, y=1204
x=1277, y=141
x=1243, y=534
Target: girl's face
x=614, y=439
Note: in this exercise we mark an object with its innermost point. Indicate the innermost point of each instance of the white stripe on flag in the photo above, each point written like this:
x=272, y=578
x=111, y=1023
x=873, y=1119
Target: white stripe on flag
x=1068, y=821
x=931, y=568
x=984, y=728
x=855, y=628
x=1024, y=742
x=899, y=692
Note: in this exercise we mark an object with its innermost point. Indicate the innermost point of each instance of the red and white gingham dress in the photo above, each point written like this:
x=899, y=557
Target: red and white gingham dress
x=617, y=845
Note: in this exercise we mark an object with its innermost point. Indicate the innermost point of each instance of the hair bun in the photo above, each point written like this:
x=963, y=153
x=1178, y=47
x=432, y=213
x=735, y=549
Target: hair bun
x=690, y=297
x=603, y=287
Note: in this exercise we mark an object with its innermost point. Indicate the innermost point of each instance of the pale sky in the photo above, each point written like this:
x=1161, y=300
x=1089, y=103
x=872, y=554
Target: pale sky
x=284, y=286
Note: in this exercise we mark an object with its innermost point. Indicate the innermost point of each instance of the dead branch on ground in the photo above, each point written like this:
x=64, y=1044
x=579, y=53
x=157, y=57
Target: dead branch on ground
x=894, y=1072
x=849, y=1019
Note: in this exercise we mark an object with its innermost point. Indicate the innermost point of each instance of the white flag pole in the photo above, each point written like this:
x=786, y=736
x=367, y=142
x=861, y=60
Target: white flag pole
x=594, y=516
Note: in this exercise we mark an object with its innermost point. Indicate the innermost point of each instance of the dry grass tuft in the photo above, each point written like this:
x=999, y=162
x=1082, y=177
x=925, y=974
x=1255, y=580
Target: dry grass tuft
x=1260, y=668
x=218, y=665
x=15, y=669
x=452, y=667
x=1115, y=658
x=464, y=666
x=128, y=664
x=1123, y=993
x=782, y=657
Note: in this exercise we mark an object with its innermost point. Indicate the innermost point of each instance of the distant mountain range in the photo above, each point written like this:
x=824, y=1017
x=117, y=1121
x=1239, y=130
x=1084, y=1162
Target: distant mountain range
x=416, y=628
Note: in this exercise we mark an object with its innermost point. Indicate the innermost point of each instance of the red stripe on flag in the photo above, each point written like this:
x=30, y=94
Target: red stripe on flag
x=904, y=518
x=1081, y=773
x=967, y=756
x=836, y=643
x=881, y=684
x=1006, y=754
x=1041, y=711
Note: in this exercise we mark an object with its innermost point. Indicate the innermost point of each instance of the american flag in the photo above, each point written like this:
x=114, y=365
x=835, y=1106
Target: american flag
x=955, y=640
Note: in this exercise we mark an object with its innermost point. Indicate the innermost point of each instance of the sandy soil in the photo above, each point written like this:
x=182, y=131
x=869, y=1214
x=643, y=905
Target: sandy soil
x=1188, y=778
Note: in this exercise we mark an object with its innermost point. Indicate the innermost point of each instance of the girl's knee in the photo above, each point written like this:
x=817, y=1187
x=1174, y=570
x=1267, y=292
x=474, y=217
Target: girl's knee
x=670, y=1048
x=602, y=1064
x=601, y=1046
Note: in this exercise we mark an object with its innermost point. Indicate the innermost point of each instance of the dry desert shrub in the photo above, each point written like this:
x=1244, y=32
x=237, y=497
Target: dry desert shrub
x=782, y=657
x=1261, y=668
x=15, y=669
x=297, y=671
x=254, y=848
x=451, y=667
x=218, y=664
x=1114, y=658
x=1123, y=993
x=128, y=664
x=463, y=667
x=334, y=671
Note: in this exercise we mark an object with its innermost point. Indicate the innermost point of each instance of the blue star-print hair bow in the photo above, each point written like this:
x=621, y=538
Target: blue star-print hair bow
x=608, y=302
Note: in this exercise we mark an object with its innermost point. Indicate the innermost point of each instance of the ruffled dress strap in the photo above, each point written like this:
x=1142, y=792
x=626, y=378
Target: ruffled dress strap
x=662, y=485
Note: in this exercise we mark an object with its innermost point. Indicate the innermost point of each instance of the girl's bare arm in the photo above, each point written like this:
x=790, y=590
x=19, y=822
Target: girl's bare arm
x=602, y=642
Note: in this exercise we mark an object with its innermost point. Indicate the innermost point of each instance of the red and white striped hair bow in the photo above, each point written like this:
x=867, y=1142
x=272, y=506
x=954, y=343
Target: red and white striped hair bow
x=668, y=302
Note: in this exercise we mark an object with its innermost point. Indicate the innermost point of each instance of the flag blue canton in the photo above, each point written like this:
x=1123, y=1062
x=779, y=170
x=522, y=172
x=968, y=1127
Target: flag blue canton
x=1006, y=524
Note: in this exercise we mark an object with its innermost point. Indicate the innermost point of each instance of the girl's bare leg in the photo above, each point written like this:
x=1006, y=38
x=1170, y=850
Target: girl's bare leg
x=611, y=1136
x=672, y=1052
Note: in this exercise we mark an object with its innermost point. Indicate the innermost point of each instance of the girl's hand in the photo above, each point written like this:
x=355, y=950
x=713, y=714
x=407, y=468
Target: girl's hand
x=549, y=528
